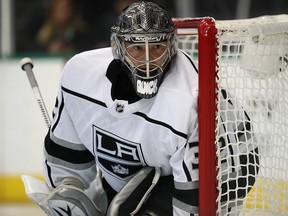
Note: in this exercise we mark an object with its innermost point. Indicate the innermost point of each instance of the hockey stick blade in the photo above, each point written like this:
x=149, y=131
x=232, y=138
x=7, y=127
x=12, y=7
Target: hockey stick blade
x=27, y=65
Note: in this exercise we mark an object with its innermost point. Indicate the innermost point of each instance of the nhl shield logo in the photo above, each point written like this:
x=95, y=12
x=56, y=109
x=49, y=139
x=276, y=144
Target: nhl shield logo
x=119, y=108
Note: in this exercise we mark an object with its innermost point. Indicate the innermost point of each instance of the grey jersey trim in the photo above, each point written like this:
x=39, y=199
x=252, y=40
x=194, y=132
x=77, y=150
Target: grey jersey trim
x=185, y=207
x=57, y=161
x=186, y=185
x=66, y=144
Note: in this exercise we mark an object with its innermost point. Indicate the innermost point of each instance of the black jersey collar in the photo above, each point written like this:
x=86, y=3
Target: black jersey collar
x=122, y=88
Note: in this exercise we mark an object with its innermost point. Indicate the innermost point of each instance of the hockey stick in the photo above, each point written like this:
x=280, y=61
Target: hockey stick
x=27, y=65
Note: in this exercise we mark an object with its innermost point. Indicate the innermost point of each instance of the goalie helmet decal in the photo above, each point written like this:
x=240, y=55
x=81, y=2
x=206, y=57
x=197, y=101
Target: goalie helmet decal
x=146, y=27
x=144, y=17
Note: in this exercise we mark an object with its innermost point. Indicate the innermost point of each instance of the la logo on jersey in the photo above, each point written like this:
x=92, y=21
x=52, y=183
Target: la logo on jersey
x=119, y=157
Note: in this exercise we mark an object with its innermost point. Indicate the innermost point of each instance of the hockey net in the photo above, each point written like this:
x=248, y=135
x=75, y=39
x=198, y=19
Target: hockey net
x=247, y=59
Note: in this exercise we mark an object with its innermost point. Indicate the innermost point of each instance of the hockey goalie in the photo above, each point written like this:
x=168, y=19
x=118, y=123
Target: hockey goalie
x=124, y=135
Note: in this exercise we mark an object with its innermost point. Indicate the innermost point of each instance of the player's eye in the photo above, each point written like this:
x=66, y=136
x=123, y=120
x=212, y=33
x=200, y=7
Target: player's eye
x=138, y=48
x=158, y=49
x=157, y=46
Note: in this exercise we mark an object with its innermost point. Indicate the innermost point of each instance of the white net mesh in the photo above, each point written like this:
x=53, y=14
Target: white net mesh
x=252, y=118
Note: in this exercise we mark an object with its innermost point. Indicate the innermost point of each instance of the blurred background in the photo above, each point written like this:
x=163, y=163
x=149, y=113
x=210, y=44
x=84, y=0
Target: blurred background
x=63, y=26
x=50, y=32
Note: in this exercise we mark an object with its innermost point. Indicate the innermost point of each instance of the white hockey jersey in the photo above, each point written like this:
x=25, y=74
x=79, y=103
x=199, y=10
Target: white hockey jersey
x=89, y=128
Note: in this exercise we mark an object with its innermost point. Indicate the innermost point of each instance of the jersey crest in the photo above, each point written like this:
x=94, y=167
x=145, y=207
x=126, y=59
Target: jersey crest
x=119, y=157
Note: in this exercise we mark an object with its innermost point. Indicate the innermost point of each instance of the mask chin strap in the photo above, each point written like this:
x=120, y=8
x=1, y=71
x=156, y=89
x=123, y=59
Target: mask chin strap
x=147, y=57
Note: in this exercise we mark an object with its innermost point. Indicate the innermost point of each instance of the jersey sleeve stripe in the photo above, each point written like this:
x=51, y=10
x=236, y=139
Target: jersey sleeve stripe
x=186, y=185
x=66, y=154
x=60, y=111
x=49, y=174
x=154, y=121
x=187, y=173
x=85, y=97
x=193, y=144
x=185, y=196
x=60, y=162
x=56, y=105
x=192, y=209
x=66, y=144
x=194, y=66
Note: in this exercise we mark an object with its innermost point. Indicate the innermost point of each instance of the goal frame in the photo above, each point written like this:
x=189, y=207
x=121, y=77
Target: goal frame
x=249, y=59
x=207, y=109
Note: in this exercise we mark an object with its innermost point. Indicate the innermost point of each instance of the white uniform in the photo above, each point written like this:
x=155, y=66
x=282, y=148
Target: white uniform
x=89, y=128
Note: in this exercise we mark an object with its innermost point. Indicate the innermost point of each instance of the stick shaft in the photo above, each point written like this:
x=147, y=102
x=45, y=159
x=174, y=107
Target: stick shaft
x=37, y=93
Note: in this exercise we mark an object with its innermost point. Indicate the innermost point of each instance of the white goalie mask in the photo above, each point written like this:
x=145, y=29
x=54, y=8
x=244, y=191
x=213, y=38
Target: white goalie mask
x=143, y=39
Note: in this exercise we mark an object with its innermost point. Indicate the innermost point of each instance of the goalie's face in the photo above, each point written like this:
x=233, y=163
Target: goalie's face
x=146, y=59
x=143, y=39
x=146, y=62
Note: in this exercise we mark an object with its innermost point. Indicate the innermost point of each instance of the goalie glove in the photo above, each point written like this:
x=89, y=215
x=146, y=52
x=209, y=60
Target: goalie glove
x=67, y=199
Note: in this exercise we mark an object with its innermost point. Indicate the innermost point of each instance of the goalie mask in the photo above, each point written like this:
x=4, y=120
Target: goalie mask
x=143, y=39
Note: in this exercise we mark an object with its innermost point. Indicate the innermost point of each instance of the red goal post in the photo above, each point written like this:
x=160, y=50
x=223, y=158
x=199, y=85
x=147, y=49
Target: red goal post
x=204, y=30
x=247, y=58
